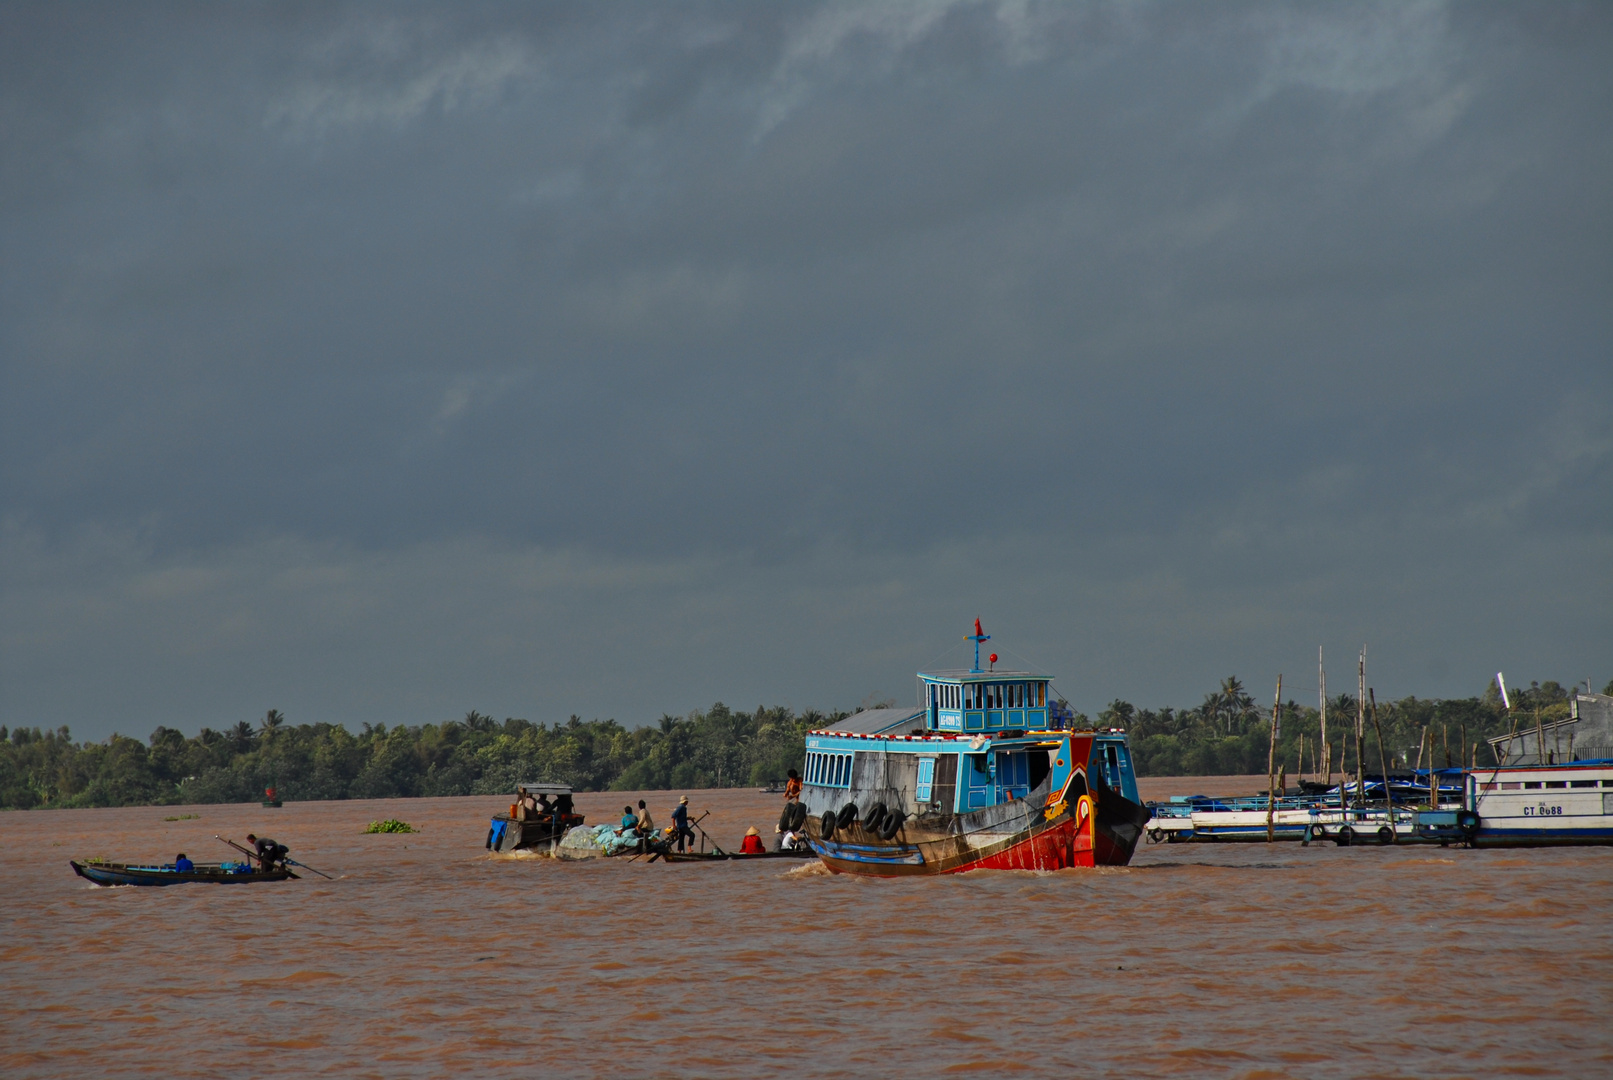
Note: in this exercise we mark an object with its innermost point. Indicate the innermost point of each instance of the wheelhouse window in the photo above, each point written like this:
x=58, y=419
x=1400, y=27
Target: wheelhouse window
x=827, y=769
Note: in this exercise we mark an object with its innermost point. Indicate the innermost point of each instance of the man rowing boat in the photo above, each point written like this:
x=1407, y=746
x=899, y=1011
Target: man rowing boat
x=269, y=852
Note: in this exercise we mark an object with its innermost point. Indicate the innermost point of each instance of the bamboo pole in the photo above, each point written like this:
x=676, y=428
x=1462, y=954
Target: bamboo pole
x=1433, y=784
x=1361, y=729
x=1321, y=694
x=1383, y=764
x=1271, y=764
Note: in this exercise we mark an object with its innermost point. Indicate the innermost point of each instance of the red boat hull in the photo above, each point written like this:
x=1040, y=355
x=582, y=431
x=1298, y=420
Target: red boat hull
x=1091, y=831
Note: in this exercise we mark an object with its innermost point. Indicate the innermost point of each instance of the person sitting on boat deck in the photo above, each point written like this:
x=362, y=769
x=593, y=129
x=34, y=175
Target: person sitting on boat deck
x=792, y=787
x=753, y=843
x=545, y=808
x=629, y=821
x=563, y=806
x=182, y=865
x=680, y=822
x=646, y=824
x=269, y=852
x=526, y=807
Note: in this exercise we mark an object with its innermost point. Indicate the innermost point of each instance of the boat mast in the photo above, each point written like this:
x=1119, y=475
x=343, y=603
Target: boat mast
x=977, y=637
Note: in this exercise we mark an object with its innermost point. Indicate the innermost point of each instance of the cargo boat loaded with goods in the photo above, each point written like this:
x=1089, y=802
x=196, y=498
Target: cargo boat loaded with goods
x=538, y=820
x=986, y=773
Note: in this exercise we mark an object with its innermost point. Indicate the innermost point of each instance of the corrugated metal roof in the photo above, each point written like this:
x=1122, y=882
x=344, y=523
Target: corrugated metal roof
x=877, y=721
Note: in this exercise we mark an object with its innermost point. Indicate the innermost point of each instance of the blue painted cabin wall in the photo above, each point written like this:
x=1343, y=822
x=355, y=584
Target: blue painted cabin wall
x=988, y=776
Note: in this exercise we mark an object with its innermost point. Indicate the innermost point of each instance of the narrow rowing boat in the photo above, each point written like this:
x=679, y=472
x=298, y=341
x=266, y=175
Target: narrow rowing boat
x=724, y=856
x=105, y=873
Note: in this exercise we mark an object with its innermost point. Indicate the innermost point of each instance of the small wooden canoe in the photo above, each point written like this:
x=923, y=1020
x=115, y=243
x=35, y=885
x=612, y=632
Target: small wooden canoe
x=125, y=874
x=724, y=856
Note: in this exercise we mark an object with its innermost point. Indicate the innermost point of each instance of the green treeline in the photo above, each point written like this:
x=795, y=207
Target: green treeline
x=474, y=756
x=719, y=747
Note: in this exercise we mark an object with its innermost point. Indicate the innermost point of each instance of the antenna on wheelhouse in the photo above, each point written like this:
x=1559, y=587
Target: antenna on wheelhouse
x=977, y=637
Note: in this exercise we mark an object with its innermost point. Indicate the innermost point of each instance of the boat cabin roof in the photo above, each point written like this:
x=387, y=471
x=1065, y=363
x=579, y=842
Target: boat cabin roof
x=878, y=721
x=968, y=675
x=543, y=789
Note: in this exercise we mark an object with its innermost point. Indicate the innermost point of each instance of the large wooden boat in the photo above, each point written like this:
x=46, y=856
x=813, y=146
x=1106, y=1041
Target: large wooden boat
x=105, y=873
x=986, y=774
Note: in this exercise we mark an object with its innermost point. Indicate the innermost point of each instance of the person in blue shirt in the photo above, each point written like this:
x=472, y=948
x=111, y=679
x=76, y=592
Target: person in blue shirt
x=182, y=865
x=629, y=820
x=680, y=822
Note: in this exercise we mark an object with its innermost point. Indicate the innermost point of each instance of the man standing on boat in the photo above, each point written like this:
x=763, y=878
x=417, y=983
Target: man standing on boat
x=792, y=787
x=680, y=822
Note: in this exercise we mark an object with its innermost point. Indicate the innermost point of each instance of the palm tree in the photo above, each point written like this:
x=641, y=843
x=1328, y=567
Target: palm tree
x=1232, y=701
x=273, y=719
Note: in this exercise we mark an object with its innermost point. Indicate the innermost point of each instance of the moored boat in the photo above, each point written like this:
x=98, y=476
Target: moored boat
x=985, y=774
x=108, y=873
x=1567, y=803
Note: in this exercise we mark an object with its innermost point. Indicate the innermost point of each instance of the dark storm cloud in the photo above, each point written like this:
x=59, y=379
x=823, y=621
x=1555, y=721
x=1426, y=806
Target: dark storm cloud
x=1246, y=315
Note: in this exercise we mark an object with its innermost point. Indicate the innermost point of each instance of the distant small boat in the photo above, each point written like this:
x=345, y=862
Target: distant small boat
x=103, y=873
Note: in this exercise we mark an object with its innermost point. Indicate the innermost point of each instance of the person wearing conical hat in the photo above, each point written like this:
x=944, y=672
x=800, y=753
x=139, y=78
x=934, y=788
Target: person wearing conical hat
x=753, y=843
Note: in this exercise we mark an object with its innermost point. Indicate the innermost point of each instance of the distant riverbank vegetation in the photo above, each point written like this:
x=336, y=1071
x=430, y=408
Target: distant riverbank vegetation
x=1226, y=734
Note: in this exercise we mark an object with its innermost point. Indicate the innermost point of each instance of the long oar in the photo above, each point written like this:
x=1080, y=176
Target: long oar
x=253, y=855
x=714, y=845
x=244, y=851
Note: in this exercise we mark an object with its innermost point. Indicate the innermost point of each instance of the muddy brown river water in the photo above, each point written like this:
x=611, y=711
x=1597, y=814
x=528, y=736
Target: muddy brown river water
x=426, y=957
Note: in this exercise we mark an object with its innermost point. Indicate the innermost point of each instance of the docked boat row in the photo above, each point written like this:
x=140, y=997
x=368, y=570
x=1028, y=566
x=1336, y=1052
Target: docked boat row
x=1526, y=805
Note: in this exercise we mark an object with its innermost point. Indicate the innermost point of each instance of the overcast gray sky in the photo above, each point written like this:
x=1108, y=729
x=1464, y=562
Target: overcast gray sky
x=380, y=362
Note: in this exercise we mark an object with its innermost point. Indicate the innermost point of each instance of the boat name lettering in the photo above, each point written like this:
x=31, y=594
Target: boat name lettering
x=1542, y=811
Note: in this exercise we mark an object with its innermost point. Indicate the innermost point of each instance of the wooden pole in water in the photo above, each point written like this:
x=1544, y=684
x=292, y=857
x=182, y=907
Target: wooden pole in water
x=1321, y=695
x=1271, y=765
x=1383, y=764
x=1361, y=729
x=1302, y=757
x=1433, y=784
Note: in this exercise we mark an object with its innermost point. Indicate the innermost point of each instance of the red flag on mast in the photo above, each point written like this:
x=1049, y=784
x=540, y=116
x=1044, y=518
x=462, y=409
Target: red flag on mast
x=977, y=626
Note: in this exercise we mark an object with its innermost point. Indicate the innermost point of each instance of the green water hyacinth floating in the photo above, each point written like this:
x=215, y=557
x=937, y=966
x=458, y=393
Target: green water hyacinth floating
x=390, y=825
